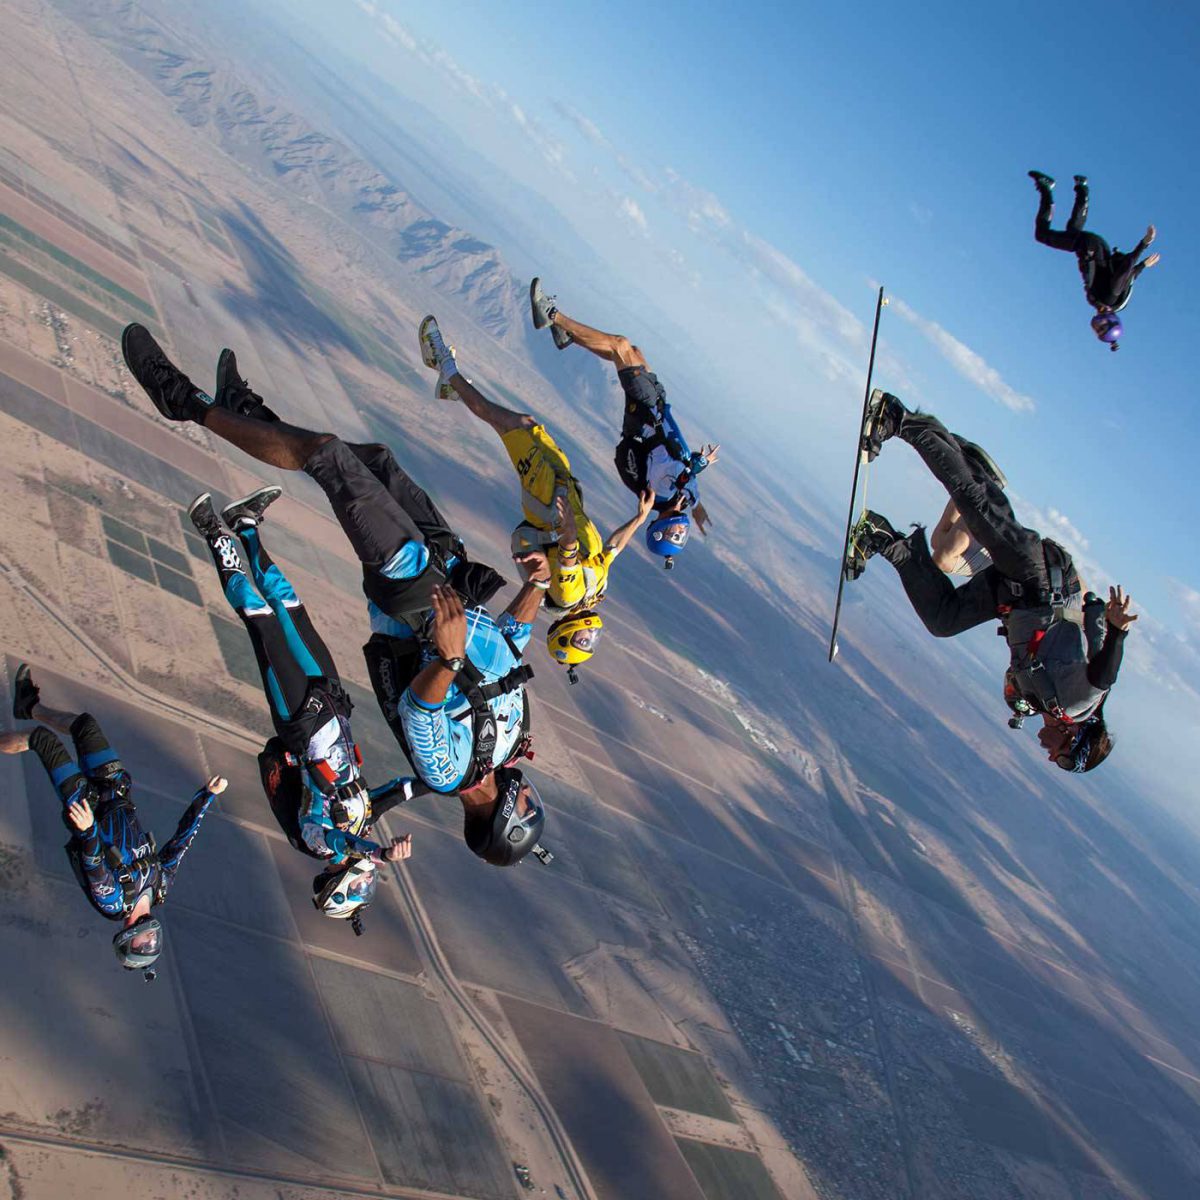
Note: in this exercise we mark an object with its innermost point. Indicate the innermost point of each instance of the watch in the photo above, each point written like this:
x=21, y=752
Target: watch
x=452, y=664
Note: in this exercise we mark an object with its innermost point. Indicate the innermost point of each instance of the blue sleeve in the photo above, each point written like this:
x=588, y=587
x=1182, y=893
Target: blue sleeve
x=171, y=855
x=102, y=884
x=517, y=632
x=345, y=844
x=408, y=562
x=440, y=747
x=676, y=446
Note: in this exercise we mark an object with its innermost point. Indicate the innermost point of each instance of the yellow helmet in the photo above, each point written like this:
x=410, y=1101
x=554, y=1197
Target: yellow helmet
x=572, y=639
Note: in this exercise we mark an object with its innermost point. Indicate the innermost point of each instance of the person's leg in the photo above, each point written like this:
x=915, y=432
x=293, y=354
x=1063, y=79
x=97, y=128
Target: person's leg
x=502, y=420
x=1079, y=210
x=306, y=646
x=68, y=780
x=945, y=610
x=275, y=443
x=950, y=539
x=407, y=493
x=284, y=677
x=97, y=759
x=985, y=509
x=615, y=348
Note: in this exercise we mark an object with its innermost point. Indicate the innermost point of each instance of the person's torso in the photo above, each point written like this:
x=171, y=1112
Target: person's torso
x=662, y=471
x=1049, y=660
x=579, y=586
x=130, y=853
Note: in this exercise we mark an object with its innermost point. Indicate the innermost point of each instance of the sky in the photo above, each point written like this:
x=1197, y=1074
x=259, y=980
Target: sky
x=747, y=174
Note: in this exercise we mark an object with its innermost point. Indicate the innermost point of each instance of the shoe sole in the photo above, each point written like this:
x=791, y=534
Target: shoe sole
x=535, y=291
x=23, y=674
x=229, y=513
x=222, y=370
x=427, y=355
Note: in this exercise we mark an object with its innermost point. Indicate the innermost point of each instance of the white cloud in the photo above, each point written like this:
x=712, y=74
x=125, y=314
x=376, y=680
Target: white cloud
x=628, y=208
x=970, y=365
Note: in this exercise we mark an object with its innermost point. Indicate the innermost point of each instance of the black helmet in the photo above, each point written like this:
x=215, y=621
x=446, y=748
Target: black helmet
x=504, y=838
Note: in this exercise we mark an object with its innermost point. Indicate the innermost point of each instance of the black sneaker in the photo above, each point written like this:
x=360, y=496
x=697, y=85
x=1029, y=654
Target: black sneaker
x=872, y=535
x=984, y=461
x=234, y=392
x=170, y=390
x=1042, y=181
x=205, y=519
x=25, y=694
x=884, y=414
x=249, y=511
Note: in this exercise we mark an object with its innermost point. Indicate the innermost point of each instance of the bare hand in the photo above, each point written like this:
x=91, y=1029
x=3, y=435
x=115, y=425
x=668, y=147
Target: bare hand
x=645, y=503
x=711, y=452
x=449, y=623
x=566, y=517
x=80, y=814
x=1154, y=258
x=701, y=517
x=1151, y=234
x=534, y=566
x=401, y=848
x=216, y=785
x=1116, y=611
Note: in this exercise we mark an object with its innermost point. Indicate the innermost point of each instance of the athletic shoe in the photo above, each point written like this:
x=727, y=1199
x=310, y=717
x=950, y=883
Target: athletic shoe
x=544, y=310
x=25, y=694
x=169, y=389
x=1081, y=181
x=872, y=535
x=541, y=307
x=438, y=356
x=984, y=461
x=234, y=393
x=248, y=512
x=205, y=519
x=1042, y=181
x=884, y=414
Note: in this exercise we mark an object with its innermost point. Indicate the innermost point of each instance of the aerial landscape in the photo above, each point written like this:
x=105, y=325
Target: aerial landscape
x=809, y=931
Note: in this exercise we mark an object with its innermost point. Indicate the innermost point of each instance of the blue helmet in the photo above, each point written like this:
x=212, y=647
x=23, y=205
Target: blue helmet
x=667, y=536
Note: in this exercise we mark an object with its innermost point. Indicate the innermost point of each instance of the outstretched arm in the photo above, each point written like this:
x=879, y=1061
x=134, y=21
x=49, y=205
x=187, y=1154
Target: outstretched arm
x=1103, y=667
x=620, y=537
x=172, y=853
x=449, y=633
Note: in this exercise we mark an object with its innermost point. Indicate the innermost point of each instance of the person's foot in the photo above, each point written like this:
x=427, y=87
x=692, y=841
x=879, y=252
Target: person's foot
x=872, y=535
x=248, y=512
x=1081, y=181
x=984, y=461
x=884, y=414
x=544, y=309
x=205, y=519
x=169, y=389
x=233, y=392
x=1042, y=181
x=25, y=694
x=438, y=356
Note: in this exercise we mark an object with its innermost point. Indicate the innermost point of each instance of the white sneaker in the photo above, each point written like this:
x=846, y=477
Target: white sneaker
x=438, y=356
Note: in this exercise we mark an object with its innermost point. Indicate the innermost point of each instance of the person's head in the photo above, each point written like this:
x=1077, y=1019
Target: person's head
x=506, y=830
x=139, y=942
x=572, y=639
x=667, y=536
x=1108, y=328
x=343, y=892
x=1076, y=747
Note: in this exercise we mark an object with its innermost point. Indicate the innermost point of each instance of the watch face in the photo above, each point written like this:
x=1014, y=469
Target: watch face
x=455, y=664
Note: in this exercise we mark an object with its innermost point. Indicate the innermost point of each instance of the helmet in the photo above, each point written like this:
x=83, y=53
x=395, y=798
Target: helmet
x=667, y=536
x=147, y=931
x=341, y=894
x=572, y=639
x=507, y=836
x=1088, y=749
x=1108, y=328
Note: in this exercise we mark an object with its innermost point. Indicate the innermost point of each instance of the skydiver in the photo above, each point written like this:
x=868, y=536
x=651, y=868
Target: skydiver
x=555, y=521
x=1108, y=275
x=652, y=451
x=327, y=811
x=1065, y=647
x=117, y=863
x=457, y=710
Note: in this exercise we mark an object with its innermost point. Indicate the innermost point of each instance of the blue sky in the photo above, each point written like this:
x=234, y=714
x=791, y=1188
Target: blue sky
x=746, y=173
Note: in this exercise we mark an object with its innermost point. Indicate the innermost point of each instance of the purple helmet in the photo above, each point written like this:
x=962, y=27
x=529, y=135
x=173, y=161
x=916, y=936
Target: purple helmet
x=1108, y=328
